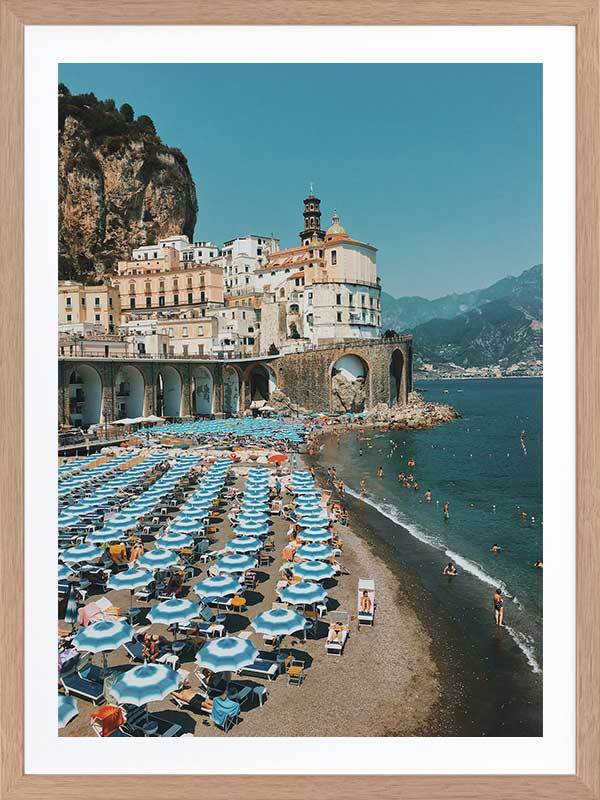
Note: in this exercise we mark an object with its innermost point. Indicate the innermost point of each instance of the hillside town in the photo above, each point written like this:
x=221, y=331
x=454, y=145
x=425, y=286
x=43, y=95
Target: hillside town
x=243, y=298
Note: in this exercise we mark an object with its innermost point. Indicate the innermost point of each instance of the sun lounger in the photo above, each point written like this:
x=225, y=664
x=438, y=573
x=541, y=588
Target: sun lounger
x=74, y=684
x=336, y=648
x=138, y=717
x=262, y=669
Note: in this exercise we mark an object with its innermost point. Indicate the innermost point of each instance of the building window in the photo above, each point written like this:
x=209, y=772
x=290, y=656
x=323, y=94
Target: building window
x=148, y=302
x=339, y=316
x=132, y=302
x=351, y=299
x=68, y=317
x=200, y=330
x=110, y=305
x=175, y=283
x=189, y=283
x=161, y=301
x=338, y=299
x=96, y=301
x=83, y=301
x=97, y=317
x=175, y=299
x=190, y=298
x=161, y=286
x=68, y=301
x=132, y=288
x=170, y=331
x=184, y=332
x=203, y=312
x=185, y=349
x=202, y=297
x=334, y=257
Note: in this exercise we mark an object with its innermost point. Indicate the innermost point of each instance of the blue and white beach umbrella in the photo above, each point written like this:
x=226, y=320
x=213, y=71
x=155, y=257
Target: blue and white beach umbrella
x=103, y=636
x=175, y=541
x=244, y=530
x=252, y=515
x=71, y=610
x=130, y=579
x=67, y=709
x=185, y=524
x=228, y=654
x=159, y=558
x=315, y=535
x=313, y=570
x=125, y=520
x=66, y=520
x=237, y=562
x=105, y=535
x=251, y=524
x=313, y=521
x=64, y=572
x=314, y=551
x=145, y=684
x=82, y=554
x=304, y=592
x=244, y=544
x=217, y=586
x=278, y=622
x=176, y=611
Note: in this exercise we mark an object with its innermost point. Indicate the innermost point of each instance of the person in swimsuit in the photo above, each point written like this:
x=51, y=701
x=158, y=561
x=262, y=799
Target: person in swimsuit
x=380, y=472
x=495, y=548
x=428, y=495
x=450, y=569
x=446, y=511
x=539, y=565
x=499, y=608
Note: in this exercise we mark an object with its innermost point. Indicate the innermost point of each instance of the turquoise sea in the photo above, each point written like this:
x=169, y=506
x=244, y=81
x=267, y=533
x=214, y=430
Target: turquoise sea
x=488, y=466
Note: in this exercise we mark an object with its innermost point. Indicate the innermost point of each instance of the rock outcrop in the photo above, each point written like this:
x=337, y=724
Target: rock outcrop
x=348, y=396
x=417, y=413
x=119, y=186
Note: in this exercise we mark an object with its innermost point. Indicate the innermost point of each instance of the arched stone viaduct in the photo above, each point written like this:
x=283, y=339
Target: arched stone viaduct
x=94, y=390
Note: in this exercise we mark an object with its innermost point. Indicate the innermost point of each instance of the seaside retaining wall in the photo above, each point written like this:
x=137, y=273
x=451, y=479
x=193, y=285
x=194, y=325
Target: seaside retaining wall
x=95, y=390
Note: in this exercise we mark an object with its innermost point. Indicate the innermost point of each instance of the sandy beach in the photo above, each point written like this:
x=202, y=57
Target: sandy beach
x=385, y=683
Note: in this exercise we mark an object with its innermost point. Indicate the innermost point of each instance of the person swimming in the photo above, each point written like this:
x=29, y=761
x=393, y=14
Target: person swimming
x=495, y=548
x=539, y=564
x=428, y=495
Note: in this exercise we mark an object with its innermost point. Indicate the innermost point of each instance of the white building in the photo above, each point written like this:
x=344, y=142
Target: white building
x=241, y=258
x=197, y=252
x=238, y=330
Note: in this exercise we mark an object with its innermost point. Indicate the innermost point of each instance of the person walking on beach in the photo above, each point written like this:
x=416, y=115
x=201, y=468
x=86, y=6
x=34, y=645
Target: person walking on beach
x=499, y=608
x=446, y=511
x=363, y=487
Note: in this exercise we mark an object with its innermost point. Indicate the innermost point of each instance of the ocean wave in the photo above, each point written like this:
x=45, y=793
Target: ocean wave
x=392, y=513
x=524, y=642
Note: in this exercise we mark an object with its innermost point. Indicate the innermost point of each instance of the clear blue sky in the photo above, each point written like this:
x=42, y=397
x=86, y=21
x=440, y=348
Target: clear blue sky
x=439, y=166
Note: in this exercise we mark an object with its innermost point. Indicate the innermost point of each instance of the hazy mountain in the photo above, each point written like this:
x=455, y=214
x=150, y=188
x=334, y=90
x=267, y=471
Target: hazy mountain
x=500, y=323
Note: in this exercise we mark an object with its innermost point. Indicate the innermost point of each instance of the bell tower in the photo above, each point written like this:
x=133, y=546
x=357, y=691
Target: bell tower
x=312, y=219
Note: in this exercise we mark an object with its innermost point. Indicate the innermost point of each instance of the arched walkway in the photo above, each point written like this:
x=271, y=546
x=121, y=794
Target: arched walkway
x=85, y=396
x=397, y=369
x=231, y=391
x=129, y=393
x=349, y=384
x=202, y=392
x=262, y=382
x=168, y=392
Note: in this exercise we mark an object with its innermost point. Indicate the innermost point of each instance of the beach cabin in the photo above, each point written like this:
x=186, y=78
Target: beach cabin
x=366, y=602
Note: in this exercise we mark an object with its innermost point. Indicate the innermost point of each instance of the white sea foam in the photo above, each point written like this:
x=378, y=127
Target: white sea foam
x=524, y=642
x=526, y=645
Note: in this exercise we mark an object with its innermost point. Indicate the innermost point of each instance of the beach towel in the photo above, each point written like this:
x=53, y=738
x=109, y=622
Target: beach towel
x=87, y=614
x=223, y=708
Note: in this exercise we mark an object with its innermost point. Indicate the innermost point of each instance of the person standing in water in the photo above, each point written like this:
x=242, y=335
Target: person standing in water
x=446, y=511
x=380, y=472
x=363, y=487
x=499, y=608
x=428, y=495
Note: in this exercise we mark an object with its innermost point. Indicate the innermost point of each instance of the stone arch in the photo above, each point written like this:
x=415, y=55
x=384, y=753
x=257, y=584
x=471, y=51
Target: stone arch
x=350, y=384
x=168, y=392
x=262, y=382
x=397, y=376
x=129, y=392
x=231, y=391
x=85, y=396
x=202, y=391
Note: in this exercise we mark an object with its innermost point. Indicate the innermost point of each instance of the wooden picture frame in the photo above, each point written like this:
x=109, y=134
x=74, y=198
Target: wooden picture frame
x=584, y=15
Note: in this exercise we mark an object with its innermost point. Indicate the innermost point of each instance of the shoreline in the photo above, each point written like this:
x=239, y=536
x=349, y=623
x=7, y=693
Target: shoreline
x=469, y=655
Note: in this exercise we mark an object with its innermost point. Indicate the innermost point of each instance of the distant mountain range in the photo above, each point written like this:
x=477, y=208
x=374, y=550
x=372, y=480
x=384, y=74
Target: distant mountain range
x=501, y=324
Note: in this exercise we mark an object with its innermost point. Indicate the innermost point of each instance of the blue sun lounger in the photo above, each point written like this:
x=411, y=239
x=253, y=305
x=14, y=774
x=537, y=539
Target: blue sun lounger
x=262, y=668
x=75, y=684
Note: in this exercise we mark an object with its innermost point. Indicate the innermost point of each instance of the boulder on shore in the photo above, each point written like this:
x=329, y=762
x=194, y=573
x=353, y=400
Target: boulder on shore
x=417, y=413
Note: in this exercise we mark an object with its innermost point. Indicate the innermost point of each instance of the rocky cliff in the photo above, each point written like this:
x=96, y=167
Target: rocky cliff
x=119, y=186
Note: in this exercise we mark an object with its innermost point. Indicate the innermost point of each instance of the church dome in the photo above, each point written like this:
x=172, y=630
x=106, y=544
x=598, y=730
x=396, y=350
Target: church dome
x=335, y=229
